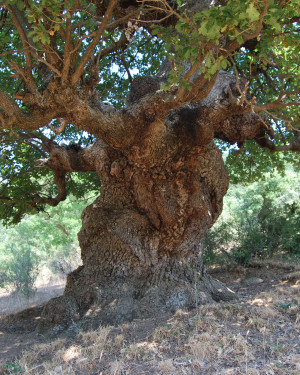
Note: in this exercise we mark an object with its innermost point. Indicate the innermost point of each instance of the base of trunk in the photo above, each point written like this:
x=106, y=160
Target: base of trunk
x=141, y=239
x=118, y=302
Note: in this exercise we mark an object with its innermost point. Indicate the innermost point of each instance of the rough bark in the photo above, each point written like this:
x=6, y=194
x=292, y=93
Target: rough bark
x=141, y=238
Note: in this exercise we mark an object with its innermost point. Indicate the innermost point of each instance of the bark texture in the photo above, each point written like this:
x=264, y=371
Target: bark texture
x=141, y=238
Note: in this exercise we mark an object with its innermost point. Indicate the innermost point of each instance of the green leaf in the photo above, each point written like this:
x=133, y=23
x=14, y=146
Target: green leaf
x=224, y=63
x=240, y=39
x=253, y=13
x=202, y=29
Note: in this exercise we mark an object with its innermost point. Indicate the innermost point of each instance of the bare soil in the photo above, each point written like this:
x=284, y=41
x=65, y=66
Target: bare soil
x=19, y=317
x=256, y=334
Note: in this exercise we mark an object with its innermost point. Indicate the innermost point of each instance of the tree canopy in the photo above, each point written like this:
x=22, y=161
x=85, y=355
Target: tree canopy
x=70, y=74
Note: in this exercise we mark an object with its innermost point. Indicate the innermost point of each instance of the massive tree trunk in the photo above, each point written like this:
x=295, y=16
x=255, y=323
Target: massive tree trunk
x=146, y=227
x=141, y=238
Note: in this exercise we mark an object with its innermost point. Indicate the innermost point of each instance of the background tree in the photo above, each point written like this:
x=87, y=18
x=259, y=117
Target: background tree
x=135, y=92
x=42, y=245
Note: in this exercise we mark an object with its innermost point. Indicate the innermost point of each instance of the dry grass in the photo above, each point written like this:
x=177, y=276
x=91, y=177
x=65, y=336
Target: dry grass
x=254, y=336
x=116, y=368
x=93, y=342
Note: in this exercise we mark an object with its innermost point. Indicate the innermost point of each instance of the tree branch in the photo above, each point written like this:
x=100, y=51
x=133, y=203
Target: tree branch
x=67, y=52
x=85, y=58
x=61, y=128
x=294, y=145
x=71, y=158
x=8, y=105
x=14, y=13
x=273, y=105
x=44, y=61
x=123, y=41
x=27, y=138
x=241, y=127
x=60, y=181
x=13, y=116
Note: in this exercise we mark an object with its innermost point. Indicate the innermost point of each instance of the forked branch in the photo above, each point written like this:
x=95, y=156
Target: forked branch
x=12, y=115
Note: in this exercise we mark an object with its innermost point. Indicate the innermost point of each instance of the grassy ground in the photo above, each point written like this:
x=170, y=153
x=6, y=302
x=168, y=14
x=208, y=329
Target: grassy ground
x=255, y=335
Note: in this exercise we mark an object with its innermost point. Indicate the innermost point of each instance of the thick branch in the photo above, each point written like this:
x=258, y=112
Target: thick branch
x=13, y=116
x=8, y=105
x=123, y=128
x=70, y=158
x=240, y=128
x=294, y=145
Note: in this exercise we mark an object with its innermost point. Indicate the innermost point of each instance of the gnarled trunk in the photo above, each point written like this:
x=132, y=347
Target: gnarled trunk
x=163, y=184
x=141, y=238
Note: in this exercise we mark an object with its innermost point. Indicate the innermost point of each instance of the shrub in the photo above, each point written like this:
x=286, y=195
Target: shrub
x=259, y=220
x=20, y=270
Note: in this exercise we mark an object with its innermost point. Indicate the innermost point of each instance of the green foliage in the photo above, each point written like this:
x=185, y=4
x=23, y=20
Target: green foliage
x=253, y=163
x=114, y=81
x=47, y=20
x=13, y=367
x=19, y=269
x=269, y=62
x=21, y=179
x=199, y=32
x=259, y=220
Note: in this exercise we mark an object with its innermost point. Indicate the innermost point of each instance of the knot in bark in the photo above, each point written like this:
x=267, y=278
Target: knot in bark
x=117, y=167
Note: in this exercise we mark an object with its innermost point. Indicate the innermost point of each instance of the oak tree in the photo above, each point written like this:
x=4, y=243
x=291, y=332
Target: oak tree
x=140, y=97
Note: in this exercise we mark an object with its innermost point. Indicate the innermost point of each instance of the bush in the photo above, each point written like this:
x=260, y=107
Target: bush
x=259, y=220
x=216, y=243
x=20, y=270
